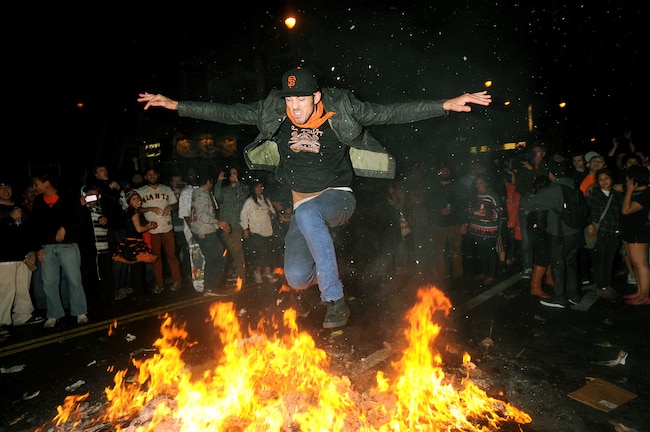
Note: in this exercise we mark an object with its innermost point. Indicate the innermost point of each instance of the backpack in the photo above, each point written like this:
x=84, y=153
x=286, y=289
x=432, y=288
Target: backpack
x=575, y=210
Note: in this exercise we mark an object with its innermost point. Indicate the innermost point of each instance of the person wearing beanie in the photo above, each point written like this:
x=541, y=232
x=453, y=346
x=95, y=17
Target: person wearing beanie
x=315, y=140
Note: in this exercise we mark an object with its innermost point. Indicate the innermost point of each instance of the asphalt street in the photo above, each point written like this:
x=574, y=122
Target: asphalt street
x=529, y=355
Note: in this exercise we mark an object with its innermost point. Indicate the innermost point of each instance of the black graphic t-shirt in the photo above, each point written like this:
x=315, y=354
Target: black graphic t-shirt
x=312, y=159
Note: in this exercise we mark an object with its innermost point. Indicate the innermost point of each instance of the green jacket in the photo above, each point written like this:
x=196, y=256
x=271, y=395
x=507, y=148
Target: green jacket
x=368, y=156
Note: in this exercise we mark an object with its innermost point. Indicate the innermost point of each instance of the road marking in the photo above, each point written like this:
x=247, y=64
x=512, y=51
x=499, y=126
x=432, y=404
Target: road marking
x=98, y=326
x=491, y=292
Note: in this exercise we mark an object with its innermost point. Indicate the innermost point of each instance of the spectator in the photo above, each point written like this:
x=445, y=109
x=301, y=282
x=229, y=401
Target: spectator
x=158, y=202
x=476, y=167
x=595, y=162
x=280, y=197
x=512, y=234
x=378, y=236
x=537, y=223
x=36, y=286
x=628, y=160
x=180, y=237
x=17, y=261
x=56, y=217
x=231, y=193
x=485, y=213
x=394, y=231
x=133, y=249
x=446, y=209
x=205, y=226
x=563, y=241
x=580, y=170
x=416, y=185
x=111, y=206
x=532, y=164
x=28, y=195
x=635, y=230
x=604, y=210
x=96, y=253
x=256, y=219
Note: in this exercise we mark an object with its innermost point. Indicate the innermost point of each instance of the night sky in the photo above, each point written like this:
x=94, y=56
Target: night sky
x=536, y=53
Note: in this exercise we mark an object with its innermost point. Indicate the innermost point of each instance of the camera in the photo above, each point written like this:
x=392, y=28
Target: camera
x=91, y=198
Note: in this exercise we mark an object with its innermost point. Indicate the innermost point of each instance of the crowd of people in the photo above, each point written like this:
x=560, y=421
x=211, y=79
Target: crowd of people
x=320, y=188
x=70, y=249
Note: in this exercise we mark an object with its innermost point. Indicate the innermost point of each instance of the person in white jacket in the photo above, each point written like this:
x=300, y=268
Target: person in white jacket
x=256, y=219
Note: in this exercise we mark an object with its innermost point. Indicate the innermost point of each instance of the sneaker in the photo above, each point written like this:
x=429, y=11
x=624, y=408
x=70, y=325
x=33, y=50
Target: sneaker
x=120, y=295
x=50, y=322
x=337, y=314
x=157, y=289
x=258, y=277
x=82, y=319
x=176, y=286
x=527, y=273
x=552, y=303
x=270, y=277
x=127, y=290
x=608, y=293
x=574, y=302
x=631, y=279
x=34, y=319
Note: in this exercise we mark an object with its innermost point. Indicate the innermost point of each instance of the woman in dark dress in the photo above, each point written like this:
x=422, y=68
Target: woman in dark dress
x=636, y=230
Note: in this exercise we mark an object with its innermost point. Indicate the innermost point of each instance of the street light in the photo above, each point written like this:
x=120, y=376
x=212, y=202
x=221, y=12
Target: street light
x=290, y=22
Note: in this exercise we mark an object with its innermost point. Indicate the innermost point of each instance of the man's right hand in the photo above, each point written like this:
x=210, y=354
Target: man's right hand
x=157, y=100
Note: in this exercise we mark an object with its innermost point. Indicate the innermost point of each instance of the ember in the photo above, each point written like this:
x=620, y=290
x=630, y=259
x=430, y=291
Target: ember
x=281, y=383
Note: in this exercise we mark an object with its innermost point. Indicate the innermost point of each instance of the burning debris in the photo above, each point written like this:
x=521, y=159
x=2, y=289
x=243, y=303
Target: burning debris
x=281, y=383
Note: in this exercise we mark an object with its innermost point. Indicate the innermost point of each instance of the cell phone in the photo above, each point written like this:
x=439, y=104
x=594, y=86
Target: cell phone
x=91, y=198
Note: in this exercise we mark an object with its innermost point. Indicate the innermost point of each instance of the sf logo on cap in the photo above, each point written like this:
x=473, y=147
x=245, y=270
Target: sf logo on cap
x=291, y=81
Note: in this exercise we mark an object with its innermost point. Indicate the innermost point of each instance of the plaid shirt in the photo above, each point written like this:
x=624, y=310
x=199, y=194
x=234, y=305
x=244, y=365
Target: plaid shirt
x=231, y=200
x=597, y=201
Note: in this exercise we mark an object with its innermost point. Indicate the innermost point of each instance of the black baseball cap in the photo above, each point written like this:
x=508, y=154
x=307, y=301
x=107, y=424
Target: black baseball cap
x=299, y=81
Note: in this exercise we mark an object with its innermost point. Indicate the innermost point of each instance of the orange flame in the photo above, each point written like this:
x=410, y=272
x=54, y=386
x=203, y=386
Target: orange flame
x=111, y=327
x=280, y=383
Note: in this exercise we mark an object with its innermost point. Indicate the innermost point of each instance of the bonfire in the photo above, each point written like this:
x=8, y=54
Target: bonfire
x=281, y=383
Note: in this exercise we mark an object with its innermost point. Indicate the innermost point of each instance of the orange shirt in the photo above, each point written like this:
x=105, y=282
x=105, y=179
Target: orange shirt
x=588, y=181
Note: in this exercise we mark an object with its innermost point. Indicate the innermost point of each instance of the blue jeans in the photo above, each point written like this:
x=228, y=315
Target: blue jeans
x=309, y=256
x=66, y=258
x=215, y=262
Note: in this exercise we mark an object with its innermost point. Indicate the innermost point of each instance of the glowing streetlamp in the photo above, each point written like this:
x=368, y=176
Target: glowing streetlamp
x=290, y=22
